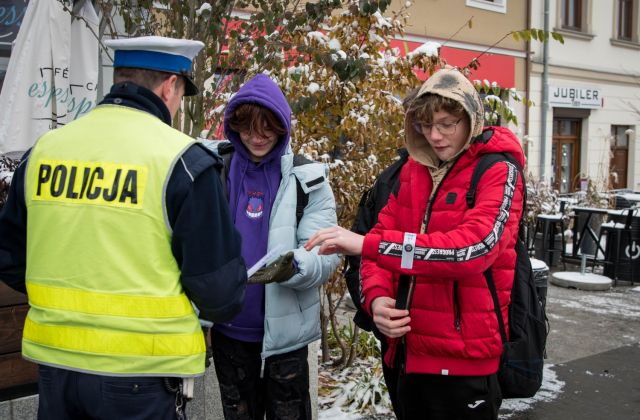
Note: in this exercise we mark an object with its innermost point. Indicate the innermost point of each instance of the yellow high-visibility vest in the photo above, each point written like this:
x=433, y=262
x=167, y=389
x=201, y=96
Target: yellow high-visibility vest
x=103, y=284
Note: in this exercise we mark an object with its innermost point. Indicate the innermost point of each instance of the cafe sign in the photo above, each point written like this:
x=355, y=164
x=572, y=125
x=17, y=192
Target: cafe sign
x=11, y=14
x=575, y=97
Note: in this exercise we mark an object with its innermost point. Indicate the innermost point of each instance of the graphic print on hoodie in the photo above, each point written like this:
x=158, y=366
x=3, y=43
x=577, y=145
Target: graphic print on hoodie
x=255, y=207
x=252, y=190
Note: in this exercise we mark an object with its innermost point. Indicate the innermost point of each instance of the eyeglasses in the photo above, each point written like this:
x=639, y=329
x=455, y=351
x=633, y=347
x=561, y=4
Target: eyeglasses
x=443, y=127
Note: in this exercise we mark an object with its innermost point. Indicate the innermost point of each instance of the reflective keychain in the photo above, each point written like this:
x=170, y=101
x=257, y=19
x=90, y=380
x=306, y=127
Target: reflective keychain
x=408, y=250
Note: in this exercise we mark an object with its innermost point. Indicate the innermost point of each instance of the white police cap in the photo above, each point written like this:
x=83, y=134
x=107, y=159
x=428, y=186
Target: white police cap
x=158, y=53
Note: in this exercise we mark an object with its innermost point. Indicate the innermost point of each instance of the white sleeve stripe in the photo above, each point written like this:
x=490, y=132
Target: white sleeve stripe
x=472, y=251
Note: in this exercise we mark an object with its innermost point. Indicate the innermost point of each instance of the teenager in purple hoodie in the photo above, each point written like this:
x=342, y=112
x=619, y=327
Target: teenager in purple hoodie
x=261, y=355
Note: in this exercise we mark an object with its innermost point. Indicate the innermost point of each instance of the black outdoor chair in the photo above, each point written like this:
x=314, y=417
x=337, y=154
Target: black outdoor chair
x=614, y=256
x=546, y=228
x=621, y=202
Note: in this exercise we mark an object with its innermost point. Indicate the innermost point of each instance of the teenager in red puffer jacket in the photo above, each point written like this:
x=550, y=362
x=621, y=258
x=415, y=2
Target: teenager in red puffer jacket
x=448, y=343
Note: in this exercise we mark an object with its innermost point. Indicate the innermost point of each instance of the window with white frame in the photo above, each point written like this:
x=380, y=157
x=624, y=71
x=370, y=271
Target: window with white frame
x=626, y=20
x=574, y=18
x=572, y=14
x=491, y=5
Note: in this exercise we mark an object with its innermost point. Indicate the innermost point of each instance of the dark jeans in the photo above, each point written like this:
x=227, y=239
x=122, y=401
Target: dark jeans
x=282, y=393
x=441, y=397
x=66, y=394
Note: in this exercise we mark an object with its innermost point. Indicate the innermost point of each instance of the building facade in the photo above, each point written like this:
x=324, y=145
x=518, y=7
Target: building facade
x=502, y=59
x=593, y=86
x=593, y=79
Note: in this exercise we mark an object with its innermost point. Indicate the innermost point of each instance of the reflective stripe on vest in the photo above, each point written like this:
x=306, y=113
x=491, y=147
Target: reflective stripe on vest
x=102, y=281
x=93, y=340
x=108, y=304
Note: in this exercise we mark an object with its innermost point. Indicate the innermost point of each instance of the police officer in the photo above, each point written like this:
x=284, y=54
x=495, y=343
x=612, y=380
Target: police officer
x=113, y=224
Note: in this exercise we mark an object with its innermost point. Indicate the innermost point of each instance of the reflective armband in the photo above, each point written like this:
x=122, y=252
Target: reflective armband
x=408, y=249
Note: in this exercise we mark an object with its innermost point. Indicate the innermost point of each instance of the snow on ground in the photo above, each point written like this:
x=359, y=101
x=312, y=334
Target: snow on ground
x=550, y=390
x=558, y=317
x=334, y=413
x=609, y=303
x=332, y=404
x=357, y=392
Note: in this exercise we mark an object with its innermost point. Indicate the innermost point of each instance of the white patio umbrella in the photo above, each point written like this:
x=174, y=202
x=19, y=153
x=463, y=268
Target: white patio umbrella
x=52, y=74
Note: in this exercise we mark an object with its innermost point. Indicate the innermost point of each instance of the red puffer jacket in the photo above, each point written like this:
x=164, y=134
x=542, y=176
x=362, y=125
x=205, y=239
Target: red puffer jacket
x=454, y=330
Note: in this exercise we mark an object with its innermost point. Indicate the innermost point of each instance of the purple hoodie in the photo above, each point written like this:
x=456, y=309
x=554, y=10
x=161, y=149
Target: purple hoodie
x=252, y=190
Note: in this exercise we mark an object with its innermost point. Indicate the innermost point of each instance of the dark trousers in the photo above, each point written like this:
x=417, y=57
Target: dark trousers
x=282, y=393
x=391, y=376
x=441, y=397
x=65, y=394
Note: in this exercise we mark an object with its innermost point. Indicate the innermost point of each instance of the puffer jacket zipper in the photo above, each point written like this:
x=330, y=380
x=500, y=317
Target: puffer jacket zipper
x=456, y=304
x=435, y=194
x=456, y=308
x=403, y=367
x=404, y=354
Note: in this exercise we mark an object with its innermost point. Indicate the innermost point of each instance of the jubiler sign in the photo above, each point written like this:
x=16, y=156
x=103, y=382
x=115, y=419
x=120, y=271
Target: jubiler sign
x=574, y=97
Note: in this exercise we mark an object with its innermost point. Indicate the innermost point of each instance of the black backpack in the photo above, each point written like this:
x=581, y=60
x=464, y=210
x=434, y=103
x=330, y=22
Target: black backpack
x=372, y=201
x=225, y=151
x=520, y=372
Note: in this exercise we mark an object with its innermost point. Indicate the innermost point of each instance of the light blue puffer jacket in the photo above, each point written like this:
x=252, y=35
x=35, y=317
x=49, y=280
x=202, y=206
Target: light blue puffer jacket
x=292, y=308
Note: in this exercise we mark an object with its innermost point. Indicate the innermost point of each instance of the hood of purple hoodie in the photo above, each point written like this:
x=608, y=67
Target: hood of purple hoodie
x=252, y=190
x=263, y=91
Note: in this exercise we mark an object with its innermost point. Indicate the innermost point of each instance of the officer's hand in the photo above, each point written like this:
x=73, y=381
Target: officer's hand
x=278, y=271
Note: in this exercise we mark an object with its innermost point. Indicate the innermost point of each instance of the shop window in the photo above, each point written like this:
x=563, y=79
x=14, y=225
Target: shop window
x=565, y=149
x=619, y=157
x=491, y=5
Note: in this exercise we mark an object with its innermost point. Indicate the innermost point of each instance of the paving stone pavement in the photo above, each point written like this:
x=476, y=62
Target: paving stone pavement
x=594, y=350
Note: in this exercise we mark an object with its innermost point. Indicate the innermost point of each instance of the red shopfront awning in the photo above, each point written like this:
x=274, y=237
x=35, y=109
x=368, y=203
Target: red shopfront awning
x=492, y=67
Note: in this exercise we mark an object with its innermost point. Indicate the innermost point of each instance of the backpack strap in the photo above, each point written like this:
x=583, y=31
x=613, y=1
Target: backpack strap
x=395, y=175
x=225, y=151
x=302, y=198
x=486, y=162
x=488, y=275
